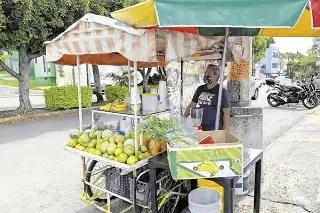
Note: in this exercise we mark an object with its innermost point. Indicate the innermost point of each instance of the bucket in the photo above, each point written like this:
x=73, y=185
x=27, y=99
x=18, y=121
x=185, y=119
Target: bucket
x=203, y=183
x=204, y=200
x=242, y=186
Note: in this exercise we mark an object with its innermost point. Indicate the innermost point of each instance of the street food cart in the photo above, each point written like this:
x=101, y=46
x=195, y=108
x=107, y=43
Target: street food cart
x=164, y=33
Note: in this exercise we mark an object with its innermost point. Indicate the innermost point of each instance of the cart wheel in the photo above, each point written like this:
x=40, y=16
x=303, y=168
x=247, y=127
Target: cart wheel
x=167, y=203
x=96, y=176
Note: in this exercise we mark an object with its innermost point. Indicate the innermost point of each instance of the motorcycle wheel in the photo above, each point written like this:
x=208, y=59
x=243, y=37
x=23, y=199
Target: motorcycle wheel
x=310, y=102
x=271, y=101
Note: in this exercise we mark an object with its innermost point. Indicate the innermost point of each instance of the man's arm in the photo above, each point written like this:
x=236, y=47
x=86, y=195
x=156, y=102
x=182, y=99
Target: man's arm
x=226, y=118
x=191, y=105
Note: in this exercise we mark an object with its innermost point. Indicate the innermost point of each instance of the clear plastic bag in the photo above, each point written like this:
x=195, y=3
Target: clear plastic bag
x=181, y=134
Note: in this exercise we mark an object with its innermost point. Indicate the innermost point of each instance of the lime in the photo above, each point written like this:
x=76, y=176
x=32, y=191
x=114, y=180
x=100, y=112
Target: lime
x=142, y=156
x=147, y=154
x=128, y=149
x=118, y=151
x=97, y=152
x=92, y=150
x=120, y=145
x=111, y=157
x=122, y=158
x=115, y=159
x=111, y=148
x=105, y=155
x=132, y=160
x=77, y=146
x=73, y=143
x=91, y=145
x=144, y=149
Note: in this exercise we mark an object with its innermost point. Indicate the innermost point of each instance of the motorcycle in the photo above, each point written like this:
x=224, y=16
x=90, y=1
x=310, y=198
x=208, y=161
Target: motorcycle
x=295, y=93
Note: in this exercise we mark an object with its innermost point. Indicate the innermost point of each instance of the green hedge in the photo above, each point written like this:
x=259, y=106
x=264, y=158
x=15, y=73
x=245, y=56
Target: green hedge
x=66, y=97
x=115, y=92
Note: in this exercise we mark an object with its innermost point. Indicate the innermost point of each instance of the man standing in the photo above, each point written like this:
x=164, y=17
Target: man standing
x=206, y=96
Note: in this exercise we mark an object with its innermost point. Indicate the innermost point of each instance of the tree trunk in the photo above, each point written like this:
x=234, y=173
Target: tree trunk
x=24, y=72
x=87, y=72
x=146, y=79
x=97, y=84
x=74, y=77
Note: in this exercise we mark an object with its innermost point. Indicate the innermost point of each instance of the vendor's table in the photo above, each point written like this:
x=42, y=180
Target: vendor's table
x=252, y=157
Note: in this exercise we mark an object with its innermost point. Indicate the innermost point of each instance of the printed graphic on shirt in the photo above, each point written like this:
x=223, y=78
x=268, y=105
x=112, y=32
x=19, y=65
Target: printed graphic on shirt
x=205, y=98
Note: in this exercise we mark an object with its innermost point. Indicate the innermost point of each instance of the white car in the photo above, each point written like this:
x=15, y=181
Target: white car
x=254, y=88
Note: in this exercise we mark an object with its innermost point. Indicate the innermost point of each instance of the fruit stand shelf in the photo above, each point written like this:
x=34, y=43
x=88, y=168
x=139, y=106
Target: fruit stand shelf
x=130, y=113
x=123, y=166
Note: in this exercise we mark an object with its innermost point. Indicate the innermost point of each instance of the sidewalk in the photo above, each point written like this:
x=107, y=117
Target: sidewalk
x=37, y=101
x=7, y=91
x=291, y=171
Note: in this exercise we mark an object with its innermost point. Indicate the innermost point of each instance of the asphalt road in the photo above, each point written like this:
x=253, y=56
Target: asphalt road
x=37, y=175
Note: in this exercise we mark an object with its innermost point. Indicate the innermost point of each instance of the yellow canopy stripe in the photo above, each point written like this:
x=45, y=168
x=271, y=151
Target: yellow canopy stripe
x=303, y=28
x=139, y=15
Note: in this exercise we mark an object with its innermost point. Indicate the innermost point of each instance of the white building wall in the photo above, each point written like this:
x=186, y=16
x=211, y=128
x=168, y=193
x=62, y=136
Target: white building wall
x=64, y=75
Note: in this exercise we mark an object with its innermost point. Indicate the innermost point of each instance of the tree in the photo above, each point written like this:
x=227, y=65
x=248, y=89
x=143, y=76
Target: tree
x=260, y=45
x=26, y=24
x=97, y=84
x=145, y=76
x=300, y=65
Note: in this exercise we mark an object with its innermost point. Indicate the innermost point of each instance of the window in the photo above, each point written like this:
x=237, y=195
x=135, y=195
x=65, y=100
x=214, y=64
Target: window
x=274, y=65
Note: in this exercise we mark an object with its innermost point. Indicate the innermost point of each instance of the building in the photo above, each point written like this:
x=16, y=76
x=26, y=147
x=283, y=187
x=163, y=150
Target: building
x=270, y=64
x=41, y=73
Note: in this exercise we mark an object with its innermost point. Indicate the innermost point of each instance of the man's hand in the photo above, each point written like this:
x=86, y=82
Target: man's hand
x=190, y=106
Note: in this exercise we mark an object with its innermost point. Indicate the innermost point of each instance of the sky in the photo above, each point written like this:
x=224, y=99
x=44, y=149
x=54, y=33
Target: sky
x=293, y=44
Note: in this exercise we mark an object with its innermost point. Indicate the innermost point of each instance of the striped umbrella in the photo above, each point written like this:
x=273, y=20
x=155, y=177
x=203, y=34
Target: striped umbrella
x=210, y=17
x=105, y=41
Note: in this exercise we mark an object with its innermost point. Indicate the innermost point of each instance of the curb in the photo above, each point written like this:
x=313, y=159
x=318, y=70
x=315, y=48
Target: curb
x=41, y=116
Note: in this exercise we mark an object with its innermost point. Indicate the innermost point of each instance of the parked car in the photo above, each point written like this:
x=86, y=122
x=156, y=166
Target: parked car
x=254, y=88
x=284, y=80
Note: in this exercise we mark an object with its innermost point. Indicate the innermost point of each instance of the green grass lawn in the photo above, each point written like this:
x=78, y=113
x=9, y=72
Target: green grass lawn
x=15, y=83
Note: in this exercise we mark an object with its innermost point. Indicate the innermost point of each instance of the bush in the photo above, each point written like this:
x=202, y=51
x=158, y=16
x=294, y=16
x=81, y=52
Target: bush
x=66, y=97
x=116, y=92
x=120, y=92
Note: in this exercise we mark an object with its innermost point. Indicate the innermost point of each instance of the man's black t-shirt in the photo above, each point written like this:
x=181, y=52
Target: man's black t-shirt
x=208, y=100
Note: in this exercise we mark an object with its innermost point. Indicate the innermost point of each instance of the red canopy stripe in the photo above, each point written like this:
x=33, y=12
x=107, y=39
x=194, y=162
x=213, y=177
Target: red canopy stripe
x=315, y=11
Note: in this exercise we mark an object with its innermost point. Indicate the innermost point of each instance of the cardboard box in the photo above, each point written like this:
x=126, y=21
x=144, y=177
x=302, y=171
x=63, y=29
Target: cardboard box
x=224, y=158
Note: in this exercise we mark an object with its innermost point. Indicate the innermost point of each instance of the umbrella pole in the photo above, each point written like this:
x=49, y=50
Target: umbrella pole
x=79, y=93
x=224, y=56
x=129, y=77
x=181, y=87
x=135, y=88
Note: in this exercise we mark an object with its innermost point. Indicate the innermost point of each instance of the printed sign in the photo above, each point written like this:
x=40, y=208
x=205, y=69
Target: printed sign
x=239, y=71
